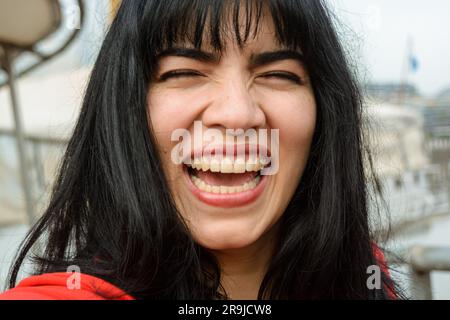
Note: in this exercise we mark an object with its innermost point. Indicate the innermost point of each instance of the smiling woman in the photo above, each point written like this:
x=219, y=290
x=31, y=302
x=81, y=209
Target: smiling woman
x=215, y=225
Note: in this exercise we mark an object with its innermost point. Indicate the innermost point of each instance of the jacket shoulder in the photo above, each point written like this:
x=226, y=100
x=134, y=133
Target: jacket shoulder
x=64, y=286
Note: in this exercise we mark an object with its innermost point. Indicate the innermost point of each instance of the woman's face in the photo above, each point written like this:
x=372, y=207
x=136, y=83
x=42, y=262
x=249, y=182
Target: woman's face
x=226, y=202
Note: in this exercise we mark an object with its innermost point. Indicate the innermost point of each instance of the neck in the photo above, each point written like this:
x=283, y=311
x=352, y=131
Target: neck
x=243, y=269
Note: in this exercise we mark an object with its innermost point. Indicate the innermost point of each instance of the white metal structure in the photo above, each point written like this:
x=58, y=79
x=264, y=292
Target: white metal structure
x=23, y=24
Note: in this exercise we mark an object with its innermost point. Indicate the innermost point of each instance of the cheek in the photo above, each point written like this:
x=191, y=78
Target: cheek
x=167, y=113
x=163, y=120
x=164, y=113
x=294, y=114
x=295, y=117
x=175, y=109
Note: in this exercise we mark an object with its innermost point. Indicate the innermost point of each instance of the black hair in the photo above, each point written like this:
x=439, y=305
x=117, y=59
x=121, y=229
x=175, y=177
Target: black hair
x=112, y=213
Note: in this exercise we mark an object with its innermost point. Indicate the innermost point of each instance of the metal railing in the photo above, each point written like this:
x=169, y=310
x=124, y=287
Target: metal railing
x=35, y=162
x=9, y=53
x=421, y=262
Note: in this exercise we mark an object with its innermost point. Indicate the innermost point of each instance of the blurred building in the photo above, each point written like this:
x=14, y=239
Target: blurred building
x=397, y=138
x=391, y=92
x=443, y=99
x=437, y=121
x=437, y=116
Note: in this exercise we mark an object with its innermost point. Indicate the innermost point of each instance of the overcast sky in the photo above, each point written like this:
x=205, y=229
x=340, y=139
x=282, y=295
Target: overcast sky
x=382, y=29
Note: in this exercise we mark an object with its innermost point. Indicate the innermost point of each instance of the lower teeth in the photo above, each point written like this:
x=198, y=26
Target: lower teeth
x=225, y=189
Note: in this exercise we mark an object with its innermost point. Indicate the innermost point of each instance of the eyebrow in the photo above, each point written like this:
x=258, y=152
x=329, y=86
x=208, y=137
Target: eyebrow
x=256, y=60
x=265, y=58
x=195, y=54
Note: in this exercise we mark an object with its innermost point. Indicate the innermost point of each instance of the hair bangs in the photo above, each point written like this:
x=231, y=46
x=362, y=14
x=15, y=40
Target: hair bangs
x=211, y=24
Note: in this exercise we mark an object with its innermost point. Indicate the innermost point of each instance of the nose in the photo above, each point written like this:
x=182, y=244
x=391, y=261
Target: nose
x=234, y=107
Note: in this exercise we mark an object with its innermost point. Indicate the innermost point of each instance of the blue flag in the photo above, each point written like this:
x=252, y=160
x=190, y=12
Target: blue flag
x=413, y=63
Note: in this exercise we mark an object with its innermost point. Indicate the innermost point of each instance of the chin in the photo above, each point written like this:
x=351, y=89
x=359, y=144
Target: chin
x=225, y=239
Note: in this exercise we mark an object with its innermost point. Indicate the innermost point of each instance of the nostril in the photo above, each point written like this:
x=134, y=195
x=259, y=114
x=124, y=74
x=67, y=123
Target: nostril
x=234, y=114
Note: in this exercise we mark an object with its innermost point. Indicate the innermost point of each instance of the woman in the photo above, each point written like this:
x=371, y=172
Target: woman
x=140, y=223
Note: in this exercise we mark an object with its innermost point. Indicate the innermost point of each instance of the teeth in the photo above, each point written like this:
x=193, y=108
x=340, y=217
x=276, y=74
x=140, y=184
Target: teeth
x=252, y=164
x=264, y=161
x=197, y=164
x=239, y=165
x=202, y=185
x=230, y=165
x=205, y=164
x=227, y=165
x=215, y=165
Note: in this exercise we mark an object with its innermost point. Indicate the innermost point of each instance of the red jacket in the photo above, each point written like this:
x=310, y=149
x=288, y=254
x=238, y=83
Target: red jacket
x=54, y=286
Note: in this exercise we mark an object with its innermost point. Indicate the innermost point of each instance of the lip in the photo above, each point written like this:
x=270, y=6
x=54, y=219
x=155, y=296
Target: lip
x=230, y=200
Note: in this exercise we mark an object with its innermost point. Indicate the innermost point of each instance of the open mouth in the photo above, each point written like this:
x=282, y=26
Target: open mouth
x=226, y=176
x=226, y=182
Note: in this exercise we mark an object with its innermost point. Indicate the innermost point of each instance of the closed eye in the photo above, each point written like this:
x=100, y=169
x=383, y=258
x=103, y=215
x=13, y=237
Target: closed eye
x=283, y=76
x=176, y=74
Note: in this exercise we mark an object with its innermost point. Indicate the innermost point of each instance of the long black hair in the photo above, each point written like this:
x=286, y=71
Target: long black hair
x=112, y=213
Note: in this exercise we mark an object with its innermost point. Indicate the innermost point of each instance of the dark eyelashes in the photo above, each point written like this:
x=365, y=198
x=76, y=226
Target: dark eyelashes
x=190, y=73
x=284, y=75
x=179, y=74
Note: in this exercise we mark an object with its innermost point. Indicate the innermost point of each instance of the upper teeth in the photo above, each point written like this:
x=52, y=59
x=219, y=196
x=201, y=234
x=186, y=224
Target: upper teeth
x=229, y=165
